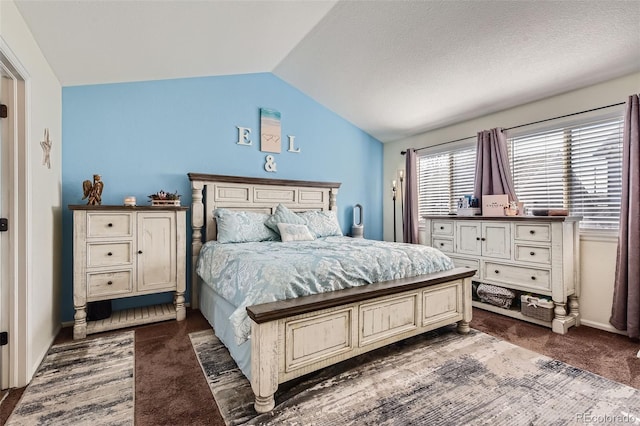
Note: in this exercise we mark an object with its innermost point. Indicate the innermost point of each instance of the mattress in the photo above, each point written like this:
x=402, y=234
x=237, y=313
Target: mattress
x=246, y=274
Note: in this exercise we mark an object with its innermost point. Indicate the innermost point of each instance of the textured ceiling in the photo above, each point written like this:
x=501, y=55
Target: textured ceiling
x=392, y=68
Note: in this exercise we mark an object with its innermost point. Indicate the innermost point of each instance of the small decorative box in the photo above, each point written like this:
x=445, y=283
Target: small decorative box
x=493, y=205
x=162, y=198
x=536, y=307
x=470, y=211
x=165, y=202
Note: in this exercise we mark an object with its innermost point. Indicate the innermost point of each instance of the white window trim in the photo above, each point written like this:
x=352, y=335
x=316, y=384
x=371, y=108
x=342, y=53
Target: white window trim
x=599, y=235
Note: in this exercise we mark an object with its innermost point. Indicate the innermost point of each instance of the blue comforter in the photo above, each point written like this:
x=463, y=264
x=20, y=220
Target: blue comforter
x=252, y=273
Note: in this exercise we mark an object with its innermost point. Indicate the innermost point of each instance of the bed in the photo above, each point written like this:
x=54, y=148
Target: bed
x=274, y=341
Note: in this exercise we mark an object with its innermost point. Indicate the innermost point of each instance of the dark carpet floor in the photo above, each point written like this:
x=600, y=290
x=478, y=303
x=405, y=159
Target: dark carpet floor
x=171, y=389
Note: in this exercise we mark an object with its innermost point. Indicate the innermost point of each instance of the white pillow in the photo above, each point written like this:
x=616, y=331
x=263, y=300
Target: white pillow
x=294, y=232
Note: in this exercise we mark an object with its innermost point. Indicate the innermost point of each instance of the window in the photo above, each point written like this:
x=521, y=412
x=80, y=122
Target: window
x=444, y=177
x=577, y=167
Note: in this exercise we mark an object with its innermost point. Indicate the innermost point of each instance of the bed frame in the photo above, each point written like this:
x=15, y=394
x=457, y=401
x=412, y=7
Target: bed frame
x=294, y=337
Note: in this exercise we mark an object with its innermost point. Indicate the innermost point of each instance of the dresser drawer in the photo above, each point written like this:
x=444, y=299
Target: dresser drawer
x=109, y=283
x=442, y=227
x=533, y=232
x=109, y=254
x=533, y=254
x=522, y=276
x=443, y=244
x=467, y=263
x=109, y=225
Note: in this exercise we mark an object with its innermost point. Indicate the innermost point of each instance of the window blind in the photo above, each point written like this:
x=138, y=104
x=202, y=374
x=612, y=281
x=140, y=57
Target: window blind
x=577, y=168
x=443, y=178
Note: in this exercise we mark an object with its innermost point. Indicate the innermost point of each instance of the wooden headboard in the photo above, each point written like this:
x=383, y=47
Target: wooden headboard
x=249, y=194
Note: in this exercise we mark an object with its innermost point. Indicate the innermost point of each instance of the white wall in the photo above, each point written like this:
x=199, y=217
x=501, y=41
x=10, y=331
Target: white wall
x=42, y=187
x=598, y=251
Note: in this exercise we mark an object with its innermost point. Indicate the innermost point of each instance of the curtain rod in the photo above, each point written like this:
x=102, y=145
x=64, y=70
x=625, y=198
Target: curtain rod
x=521, y=125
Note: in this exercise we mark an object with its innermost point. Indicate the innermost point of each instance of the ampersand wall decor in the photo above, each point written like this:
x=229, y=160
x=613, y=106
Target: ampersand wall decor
x=270, y=164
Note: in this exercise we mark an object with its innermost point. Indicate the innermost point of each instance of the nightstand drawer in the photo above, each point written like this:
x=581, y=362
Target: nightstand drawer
x=538, y=232
x=109, y=283
x=109, y=254
x=518, y=275
x=109, y=225
x=533, y=254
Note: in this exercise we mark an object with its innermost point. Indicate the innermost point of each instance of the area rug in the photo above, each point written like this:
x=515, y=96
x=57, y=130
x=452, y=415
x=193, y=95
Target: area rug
x=438, y=378
x=86, y=382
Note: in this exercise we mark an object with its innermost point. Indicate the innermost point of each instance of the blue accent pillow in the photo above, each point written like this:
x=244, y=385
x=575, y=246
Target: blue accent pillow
x=322, y=223
x=283, y=215
x=242, y=227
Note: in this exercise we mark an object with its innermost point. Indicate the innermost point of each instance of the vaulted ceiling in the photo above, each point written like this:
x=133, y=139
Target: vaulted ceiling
x=392, y=68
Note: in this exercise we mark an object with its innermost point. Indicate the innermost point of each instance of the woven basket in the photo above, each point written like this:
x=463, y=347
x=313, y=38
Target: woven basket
x=535, y=307
x=495, y=295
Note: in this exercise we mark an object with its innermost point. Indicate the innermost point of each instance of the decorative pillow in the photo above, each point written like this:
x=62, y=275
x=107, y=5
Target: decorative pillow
x=242, y=227
x=292, y=232
x=283, y=215
x=322, y=223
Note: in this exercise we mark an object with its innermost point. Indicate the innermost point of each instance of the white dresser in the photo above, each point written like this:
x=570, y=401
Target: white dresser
x=530, y=254
x=127, y=251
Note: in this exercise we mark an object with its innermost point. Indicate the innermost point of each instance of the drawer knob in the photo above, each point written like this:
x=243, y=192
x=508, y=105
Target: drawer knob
x=533, y=278
x=139, y=251
x=442, y=227
x=441, y=244
x=109, y=254
x=532, y=232
x=109, y=282
x=477, y=238
x=110, y=225
x=483, y=239
x=496, y=271
x=532, y=253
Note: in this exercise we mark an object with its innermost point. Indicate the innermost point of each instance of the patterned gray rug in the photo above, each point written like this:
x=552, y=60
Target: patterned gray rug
x=86, y=382
x=439, y=378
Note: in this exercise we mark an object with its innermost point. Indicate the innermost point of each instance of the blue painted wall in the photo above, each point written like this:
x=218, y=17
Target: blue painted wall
x=146, y=136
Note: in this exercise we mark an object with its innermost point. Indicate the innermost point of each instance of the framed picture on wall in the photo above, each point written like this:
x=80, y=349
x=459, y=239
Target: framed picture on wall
x=270, y=133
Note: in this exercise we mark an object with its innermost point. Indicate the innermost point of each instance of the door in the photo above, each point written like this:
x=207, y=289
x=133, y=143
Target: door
x=4, y=238
x=14, y=196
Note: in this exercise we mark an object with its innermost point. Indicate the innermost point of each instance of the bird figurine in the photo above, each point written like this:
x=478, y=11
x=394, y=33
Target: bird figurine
x=93, y=191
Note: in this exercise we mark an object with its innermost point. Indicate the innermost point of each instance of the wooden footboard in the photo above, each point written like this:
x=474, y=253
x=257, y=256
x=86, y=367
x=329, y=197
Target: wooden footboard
x=297, y=336
x=294, y=337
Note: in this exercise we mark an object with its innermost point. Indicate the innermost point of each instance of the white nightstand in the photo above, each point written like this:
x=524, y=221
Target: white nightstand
x=121, y=252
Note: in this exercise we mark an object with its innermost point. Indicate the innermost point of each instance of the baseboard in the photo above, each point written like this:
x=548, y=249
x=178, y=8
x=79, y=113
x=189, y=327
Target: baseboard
x=41, y=356
x=601, y=326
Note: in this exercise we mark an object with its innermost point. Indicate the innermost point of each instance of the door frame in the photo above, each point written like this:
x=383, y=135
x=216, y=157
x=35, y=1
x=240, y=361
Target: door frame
x=16, y=188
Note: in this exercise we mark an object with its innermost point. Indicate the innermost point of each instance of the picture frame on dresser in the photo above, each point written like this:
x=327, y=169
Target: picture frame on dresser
x=531, y=255
x=126, y=251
